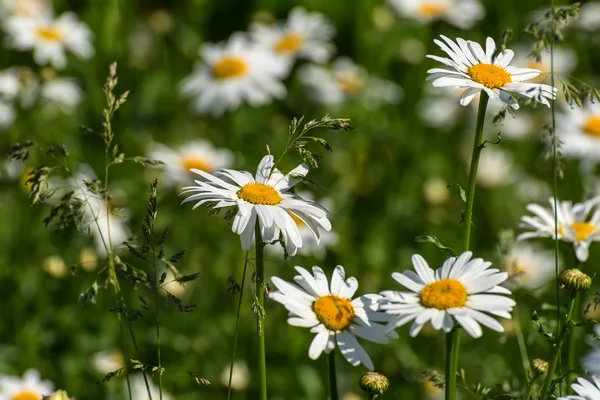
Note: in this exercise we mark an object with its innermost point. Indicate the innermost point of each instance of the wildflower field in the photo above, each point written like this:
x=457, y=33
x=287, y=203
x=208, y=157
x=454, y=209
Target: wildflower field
x=299, y=200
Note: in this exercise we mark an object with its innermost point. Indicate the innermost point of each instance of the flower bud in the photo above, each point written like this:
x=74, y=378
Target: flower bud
x=374, y=383
x=539, y=366
x=58, y=395
x=575, y=280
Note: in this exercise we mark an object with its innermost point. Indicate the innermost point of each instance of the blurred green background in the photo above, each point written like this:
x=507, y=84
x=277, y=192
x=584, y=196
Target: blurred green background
x=386, y=180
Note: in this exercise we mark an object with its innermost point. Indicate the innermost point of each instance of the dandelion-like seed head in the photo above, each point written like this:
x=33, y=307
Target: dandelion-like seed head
x=489, y=75
x=288, y=43
x=575, y=280
x=335, y=312
x=444, y=294
x=257, y=193
x=229, y=67
x=374, y=383
x=592, y=126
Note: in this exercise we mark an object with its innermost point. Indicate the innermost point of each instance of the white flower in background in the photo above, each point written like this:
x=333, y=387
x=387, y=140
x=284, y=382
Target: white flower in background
x=578, y=129
x=10, y=86
x=140, y=392
x=25, y=8
x=63, y=92
x=345, y=80
x=440, y=111
x=460, y=13
x=495, y=167
x=575, y=225
x=29, y=387
x=106, y=361
x=565, y=61
x=591, y=361
x=530, y=267
x=265, y=198
x=477, y=70
x=587, y=390
x=50, y=38
x=460, y=290
x=232, y=73
x=240, y=377
x=332, y=314
x=7, y=115
x=304, y=35
x=589, y=16
x=198, y=154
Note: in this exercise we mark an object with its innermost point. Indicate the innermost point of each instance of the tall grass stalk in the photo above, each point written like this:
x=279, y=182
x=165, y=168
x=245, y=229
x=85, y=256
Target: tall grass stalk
x=260, y=311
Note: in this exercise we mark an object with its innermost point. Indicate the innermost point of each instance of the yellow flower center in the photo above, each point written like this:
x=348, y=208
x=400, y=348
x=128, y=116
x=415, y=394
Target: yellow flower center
x=350, y=83
x=257, y=193
x=581, y=229
x=229, y=67
x=288, y=43
x=517, y=268
x=336, y=313
x=196, y=162
x=447, y=293
x=592, y=126
x=26, y=395
x=49, y=33
x=489, y=75
x=432, y=10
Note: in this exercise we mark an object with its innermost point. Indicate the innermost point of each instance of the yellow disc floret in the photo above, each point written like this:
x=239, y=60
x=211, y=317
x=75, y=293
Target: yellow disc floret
x=48, y=33
x=335, y=312
x=582, y=230
x=350, y=83
x=229, y=67
x=288, y=43
x=196, y=162
x=444, y=294
x=26, y=395
x=489, y=75
x=257, y=193
x=592, y=126
x=432, y=10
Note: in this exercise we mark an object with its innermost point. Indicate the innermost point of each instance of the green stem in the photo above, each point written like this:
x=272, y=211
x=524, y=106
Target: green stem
x=530, y=389
x=157, y=300
x=333, y=390
x=452, y=346
x=260, y=317
x=521, y=343
x=237, y=325
x=476, y=152
x=571, y=346
x=556, y=351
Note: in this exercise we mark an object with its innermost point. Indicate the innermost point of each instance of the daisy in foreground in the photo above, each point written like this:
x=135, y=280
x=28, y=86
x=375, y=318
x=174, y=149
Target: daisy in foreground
x=266, y=198
x=234, y=72
x=574, y=224
x=30, y=387
x=587, y=390
x=462, y=289
x=331, y=313
x=477, y=70
x=50, y=38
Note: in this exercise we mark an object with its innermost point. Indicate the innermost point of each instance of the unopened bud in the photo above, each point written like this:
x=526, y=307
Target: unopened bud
x=539, y=366
x=575, y=280
x=374, y=383
x=58, y=395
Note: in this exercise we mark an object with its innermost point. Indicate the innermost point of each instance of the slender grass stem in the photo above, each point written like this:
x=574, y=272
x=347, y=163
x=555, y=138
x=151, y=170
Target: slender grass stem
x=557, y=350
x=333, y=390
x=521, y=343
x=237, y=326
x=452, y=347
x=531, y=386
x=157, y=301
x=260, y=319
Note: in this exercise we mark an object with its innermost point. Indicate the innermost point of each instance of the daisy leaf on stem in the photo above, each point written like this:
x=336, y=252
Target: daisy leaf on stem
x=434, y=240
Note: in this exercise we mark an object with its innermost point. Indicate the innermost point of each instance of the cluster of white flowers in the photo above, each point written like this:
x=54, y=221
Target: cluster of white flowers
x=251, y=67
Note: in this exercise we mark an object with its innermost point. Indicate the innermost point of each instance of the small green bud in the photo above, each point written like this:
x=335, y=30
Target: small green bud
x=539, y=366
x=575, y=280
x=374, y=383
x=58, y=395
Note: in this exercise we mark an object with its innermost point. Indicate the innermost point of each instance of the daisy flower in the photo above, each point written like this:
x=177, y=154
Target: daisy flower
x=586, y=390
x=62, y=92
x=31, y=386
x=579, y=131
x=49, y=38
x=565, y=61
x=460, y=13
x=591, y=362
x=24, y=8
x=529, y=267
x=331, y=313
x=461, y=290
x=234, y=72
x=304, y=35
x=574, y=224
x=477, y=70
x=266, y=198
x=198, y=154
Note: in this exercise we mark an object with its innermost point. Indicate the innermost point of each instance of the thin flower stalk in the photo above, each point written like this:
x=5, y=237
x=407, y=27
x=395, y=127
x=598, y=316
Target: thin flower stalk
x=260, y=314
x=237, y=327
x=333, y=390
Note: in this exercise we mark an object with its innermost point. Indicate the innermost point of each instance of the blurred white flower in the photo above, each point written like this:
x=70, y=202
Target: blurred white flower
x=565, y=61
x=50, y=38
x=460, y=13
x=495, y=167
x=530, y=267
x=63, y=92
x=240, y=377
x=140, y=392
x=589, y=16
x=10, y=85
x=435, y=190
x=591, y=361
x=199, y=154
x=25, y=8
x=106, y=361
x=7, y=115
x=345, y=80
x=579, y=131
x=304, y=35
x=30, y=386
x=234, y=72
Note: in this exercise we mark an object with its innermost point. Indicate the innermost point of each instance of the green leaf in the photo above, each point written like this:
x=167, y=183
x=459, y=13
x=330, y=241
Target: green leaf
x=463, y=194
x=436, y=242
